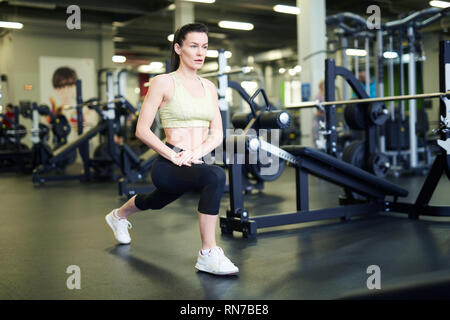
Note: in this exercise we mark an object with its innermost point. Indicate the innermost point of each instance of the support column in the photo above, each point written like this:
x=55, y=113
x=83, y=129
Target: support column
x=184, y=13
x=311, y=37
x=106, y=47
x=413, y=157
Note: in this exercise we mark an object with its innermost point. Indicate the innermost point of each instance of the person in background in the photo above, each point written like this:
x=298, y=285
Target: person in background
x=64, y=82
x=372, y=84
x=9, y=112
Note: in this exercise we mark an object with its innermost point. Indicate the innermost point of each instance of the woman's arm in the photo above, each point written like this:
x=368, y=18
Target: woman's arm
x=152, y=101
x=215, y=137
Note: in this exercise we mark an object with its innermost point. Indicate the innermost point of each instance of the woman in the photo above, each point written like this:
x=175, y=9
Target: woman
x=188, y=107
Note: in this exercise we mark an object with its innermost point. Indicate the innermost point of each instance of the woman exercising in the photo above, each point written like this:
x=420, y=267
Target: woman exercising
x=188, y=107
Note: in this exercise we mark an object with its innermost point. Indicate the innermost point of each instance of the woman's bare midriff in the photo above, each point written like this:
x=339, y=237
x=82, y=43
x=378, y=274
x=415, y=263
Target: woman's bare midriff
x=186, y=138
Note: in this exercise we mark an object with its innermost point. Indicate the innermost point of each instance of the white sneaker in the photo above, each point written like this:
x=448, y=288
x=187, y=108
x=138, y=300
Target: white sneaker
x=119, y=227
x=215, y=262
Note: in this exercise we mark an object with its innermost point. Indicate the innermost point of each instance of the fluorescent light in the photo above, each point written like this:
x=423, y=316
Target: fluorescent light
x=11, y=25
x=286, y=9
x=171, y=7
x=156, y=65
x=32, y=4
x=440, y=4
x=405, y=58
x=236, y=25
x=119, y=59
x=202, y=1
x=215, y=54
x=390, y=55
x=282, y=70
x=298, y=69
x=145, y=68
x=249, y=86
x=356, y=52
x=292, y=72
x=212, y=53
x=170, y=37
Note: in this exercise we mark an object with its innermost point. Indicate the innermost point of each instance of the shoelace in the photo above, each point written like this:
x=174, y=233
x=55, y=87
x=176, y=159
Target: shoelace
x=124, y=222
x=222, y=254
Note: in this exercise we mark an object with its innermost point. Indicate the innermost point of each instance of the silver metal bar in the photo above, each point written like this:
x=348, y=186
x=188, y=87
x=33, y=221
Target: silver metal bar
x=231, y=71
x=318, y=103
x=345, y=65
x=413, y=158
x=223, y=82
x=93, y=103
x=237, y=70
x=356, y=59
x=391, y=78
x=379, y=64
x=367, y=65
x=276, y=151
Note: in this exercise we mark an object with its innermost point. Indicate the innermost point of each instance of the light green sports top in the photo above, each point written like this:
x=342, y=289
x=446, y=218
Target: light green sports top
x=183, y=110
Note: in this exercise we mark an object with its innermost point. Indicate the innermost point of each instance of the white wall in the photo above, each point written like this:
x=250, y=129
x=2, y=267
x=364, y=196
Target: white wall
x=20, y=52
x=6, y=58
x=29, y=47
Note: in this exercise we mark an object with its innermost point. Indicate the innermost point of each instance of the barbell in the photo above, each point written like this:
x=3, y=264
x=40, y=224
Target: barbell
x=236, y=70
x=317, y=103
x=92, y=103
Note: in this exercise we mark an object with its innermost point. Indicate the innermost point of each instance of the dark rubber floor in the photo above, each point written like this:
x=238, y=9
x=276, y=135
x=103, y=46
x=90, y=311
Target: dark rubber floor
x=44, y=230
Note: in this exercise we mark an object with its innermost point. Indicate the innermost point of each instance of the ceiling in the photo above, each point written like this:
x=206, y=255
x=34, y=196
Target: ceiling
x=140, y=27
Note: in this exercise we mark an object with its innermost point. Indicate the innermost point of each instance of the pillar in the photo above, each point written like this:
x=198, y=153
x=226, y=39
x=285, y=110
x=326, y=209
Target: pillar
x=311, y=37
x=184, y=13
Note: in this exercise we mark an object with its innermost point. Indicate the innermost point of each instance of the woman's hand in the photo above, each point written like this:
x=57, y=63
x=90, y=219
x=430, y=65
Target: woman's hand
x=186, y=158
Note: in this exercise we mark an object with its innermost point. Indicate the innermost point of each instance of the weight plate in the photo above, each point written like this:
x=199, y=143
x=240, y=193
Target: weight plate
x=378, y=164
x=61, y=127
x=354, y=116
x=378, y=114
x=355, y=154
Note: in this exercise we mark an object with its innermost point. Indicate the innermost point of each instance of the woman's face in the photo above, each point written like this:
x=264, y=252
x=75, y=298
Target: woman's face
x=66, y=95
x=193, y=51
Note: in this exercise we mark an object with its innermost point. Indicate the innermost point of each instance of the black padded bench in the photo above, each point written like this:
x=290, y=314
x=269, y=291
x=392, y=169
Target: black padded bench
x=324, y=166
x=342, y=173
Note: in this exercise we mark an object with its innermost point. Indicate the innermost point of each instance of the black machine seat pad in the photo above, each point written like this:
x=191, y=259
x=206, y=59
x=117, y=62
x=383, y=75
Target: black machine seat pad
x=345, y=168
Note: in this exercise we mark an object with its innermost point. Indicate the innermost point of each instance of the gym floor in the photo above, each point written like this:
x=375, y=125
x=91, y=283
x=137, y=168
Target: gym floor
x=46, y=229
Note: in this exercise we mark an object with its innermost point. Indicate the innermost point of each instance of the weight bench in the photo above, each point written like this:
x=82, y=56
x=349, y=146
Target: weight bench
x=51, y=159
x=323, y=166
x=342, y=173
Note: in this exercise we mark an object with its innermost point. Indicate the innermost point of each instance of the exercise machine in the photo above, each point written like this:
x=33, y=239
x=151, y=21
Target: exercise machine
x=308, y=161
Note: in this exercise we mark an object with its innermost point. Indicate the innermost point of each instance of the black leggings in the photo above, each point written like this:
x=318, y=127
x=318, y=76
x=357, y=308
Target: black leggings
x=172, y=181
